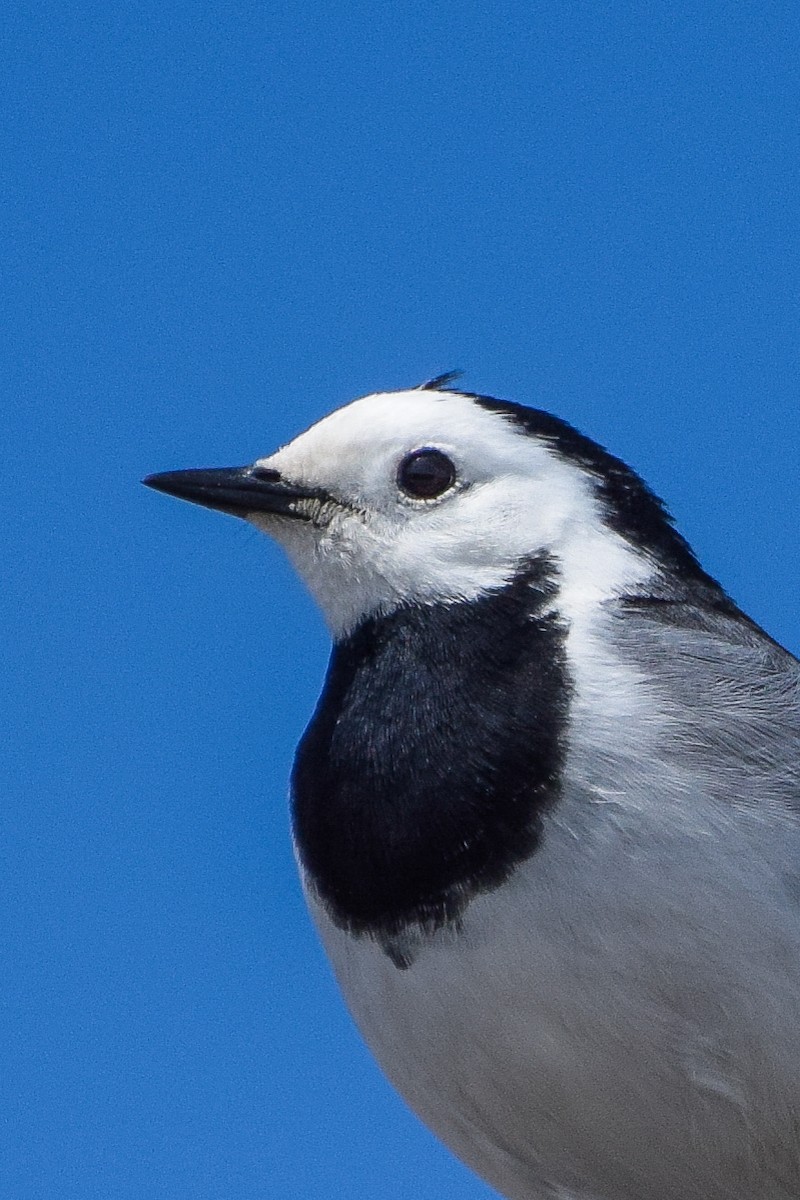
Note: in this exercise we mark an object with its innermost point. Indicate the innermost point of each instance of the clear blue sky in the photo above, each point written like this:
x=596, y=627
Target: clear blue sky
x=219, y=222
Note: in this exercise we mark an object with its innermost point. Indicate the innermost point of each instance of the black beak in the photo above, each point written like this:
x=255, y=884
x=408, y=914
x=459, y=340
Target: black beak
x=234, y=490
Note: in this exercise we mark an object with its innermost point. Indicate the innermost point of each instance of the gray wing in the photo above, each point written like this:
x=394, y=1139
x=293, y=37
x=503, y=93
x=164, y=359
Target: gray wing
x=732, y=694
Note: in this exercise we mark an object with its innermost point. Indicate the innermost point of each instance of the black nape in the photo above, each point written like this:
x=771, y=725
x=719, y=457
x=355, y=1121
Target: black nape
x=629, y=506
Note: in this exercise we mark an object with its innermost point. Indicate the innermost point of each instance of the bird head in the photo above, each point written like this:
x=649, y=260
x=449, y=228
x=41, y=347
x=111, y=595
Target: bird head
x=433, y=495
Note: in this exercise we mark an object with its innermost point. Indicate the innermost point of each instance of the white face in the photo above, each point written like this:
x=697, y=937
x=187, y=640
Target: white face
x=512, y=498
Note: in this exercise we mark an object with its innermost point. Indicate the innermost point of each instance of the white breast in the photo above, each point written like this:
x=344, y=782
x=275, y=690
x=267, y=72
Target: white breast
x=620, y=1021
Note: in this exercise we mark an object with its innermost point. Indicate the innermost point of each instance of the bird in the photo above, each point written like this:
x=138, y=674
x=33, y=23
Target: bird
x=547, y=809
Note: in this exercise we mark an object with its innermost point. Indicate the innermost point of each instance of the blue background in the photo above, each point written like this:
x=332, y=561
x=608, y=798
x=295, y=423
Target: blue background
x=221, y=221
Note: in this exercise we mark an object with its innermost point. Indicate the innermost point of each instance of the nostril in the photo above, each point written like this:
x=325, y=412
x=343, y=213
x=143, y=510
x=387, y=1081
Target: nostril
x=266, y=474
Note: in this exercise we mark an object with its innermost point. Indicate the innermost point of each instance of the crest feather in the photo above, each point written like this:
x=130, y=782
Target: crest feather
x=439, y=382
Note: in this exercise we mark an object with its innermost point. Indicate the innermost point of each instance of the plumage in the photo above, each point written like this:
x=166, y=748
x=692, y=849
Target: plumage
x=406, y=834
x=546, y=810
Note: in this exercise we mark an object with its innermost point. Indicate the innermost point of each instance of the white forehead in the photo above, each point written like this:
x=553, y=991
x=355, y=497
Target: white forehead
x=347, y=448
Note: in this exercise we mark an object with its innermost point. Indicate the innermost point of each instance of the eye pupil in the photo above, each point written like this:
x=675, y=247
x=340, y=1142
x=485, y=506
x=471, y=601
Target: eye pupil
x=425, y=474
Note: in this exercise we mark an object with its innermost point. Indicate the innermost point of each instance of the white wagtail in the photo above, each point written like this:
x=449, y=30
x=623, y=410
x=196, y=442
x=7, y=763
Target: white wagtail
x=547, y=809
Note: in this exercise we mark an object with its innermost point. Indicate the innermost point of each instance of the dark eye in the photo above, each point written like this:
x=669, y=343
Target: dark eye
x=425, y=474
